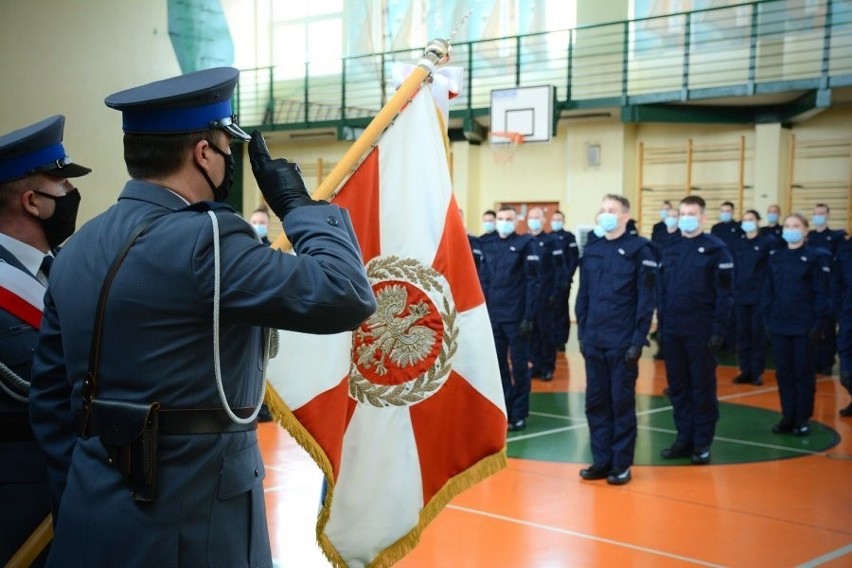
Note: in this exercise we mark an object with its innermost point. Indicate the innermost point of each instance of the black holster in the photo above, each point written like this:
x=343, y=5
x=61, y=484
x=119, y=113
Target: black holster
x=128, y=431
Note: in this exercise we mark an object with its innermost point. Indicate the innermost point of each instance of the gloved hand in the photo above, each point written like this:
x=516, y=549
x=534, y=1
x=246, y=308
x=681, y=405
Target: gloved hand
x=631, y=357
x=814, y=336
x=280, y=180
x=715, y=343
x=526, y=328
x=551, y=302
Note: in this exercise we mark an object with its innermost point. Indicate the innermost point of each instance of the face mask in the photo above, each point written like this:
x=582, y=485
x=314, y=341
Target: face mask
x=818, y=220
x=534, y=225
x=663, y=214
x=792, y=236
x=772, y=218
x=599, y=231
x=505, y=228
x=557, y=225
x=488, y=226
x=748, y=226
x=62, y=223
x=687, y=223
x=261, y=230
x=608, y=221
x=220, y=192
x=726, y=216
x=671, y=222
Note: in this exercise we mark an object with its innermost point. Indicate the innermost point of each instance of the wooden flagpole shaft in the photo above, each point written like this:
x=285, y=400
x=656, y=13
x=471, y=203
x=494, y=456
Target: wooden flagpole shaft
x=33, y=546
x=436, y=52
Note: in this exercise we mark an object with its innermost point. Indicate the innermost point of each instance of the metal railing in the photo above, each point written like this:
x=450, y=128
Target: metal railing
x=743, y=50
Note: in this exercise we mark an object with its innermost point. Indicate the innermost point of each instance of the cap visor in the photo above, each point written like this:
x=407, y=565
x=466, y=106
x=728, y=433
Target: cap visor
x=69, y=171
x=236, y=132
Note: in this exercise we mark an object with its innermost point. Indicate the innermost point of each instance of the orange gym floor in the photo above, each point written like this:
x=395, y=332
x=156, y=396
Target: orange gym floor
x=766, y=500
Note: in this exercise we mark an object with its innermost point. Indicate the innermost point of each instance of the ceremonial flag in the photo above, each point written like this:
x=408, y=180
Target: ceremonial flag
x=21, y=295
x=407, y=411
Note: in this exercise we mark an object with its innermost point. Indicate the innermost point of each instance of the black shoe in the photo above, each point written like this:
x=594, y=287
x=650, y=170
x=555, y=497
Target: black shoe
x=547, y=376
x=825, y=370
x=846, y=412
x=595, y=471
x=517, y=425
x=757, y=381
x=701, y=456
x=535, y=373
x=560, y=348
x=676, y=451
x=783, y=427
x=618, y=476
x=802, y=430
x=742, y=379
x=658, y=356
x=666, y=391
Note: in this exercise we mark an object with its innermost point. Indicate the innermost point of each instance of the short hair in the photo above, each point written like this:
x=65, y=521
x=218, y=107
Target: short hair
x=150, y=156
x=9, y=189
x=667, y=202
x=261, y=209
x=753, y=212
x=728, y=203
x=800, y=217
x=694, y=200
x=827, y=208
x=490, y=212
x=507, y=208
x=620, y=198
x=558, y=212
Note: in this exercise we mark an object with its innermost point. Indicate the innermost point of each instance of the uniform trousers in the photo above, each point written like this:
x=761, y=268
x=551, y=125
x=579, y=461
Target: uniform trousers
x=543, y=343
x=516, y=380
x=24, y=495
x=563, y=319
x=794, y=364
x=611, y=405
x=844, y=350
x=827, y=348
x=691, y=373
x=751, y=340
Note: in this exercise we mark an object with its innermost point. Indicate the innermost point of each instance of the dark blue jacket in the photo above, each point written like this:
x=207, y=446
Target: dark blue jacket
x=751, y=259
x=729, y=232
x=841, y=294
x=566, y=242
x=796, y=292
x=510, y=277
x=615, y=302
x=475, y=250
x=663, y=240
x=696, y=291
x=774, y=232
x=658, y=232
x=828, y=240
x=552, y=268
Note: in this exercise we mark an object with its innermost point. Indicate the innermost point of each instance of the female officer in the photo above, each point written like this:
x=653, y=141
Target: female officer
x=797, y=308
x=751, y=257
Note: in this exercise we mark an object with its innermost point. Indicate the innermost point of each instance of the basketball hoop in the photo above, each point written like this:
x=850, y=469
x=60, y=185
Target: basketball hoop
x=504, y=144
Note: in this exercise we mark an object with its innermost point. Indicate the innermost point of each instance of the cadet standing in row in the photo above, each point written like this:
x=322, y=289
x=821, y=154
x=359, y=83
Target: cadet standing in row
x=842, y=294
x=543, y=342
x=567, y=243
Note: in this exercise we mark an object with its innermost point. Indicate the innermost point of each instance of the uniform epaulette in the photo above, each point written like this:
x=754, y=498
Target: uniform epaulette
x=205, y=206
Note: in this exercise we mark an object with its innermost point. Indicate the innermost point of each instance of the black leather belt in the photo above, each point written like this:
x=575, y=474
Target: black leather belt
x=15, y=427
x=189, y=421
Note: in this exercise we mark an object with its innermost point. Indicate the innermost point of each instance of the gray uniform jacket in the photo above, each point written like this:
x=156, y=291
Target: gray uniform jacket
x=158, y=346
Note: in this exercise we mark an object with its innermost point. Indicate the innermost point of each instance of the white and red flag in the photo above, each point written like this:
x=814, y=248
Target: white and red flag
x=407, y=411
x=21, y=295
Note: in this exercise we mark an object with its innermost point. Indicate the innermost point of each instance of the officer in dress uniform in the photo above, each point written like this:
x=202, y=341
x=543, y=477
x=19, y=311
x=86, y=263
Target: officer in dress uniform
x=773, y=227
x=751, y=259
x=567, y=243
x=510, y=280
x=730, y=232
x=796, y=305
x=489, y=225
x=38, y=211
x=828, y=240
x=659, y=241
x=842, y=303
x=151, y=443
x=259, y=220
x=614, y=308
x=696, y=300
x=551, y=276
x=659, y=230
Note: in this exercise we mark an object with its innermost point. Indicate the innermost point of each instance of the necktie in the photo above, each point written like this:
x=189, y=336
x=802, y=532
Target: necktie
x=46, y=263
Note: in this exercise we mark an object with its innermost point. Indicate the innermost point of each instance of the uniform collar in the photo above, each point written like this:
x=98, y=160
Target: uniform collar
x=29, y=256
x=153, y=193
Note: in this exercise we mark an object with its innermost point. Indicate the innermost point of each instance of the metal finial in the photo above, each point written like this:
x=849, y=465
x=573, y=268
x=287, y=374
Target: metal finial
x=438, y=51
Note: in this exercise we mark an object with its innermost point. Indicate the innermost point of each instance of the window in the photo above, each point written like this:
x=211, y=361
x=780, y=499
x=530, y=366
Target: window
x=307, y=32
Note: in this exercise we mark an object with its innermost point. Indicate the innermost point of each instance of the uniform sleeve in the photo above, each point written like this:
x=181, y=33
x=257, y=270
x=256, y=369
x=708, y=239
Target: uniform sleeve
x=724, y=284
x=53, y=424
x=547, y=273
x=647, y=269
x=581, y=306
x=767, y=294
x=822, y=291
x=532, y=273
x=572, y=258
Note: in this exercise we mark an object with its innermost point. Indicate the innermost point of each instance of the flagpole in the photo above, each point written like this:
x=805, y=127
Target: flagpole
x=33, y=546
x=436, y=52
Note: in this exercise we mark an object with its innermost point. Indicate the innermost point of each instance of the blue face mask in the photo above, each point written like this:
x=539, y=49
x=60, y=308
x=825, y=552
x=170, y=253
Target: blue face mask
x=687, y=223
x=671, y=222
x=608, y=221
x=534, y=225
x=557, y=225
x=726, y=216
x=505, y=228
x=772, y=218
x=488, y=226
x=792, y=236
x=261, y=230
x=599, y=231
x=748, y=226
x=663, y=214
x=818, y=220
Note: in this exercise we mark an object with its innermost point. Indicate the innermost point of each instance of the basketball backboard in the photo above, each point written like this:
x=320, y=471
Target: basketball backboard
x=527, y=110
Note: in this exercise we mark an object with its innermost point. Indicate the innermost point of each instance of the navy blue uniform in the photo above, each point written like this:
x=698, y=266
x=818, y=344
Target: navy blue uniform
x=828, y=240
x=614, y=308
x=842, y=305
x=751, y=259
x=662, y=241
x=158, y=345
x=543, y=342
x=510, y=281
x=797, y=307
x=567, y=255
x=775, y=233
x=475, y=250
x=695, y=303
x=730, y=233
x=658, y=231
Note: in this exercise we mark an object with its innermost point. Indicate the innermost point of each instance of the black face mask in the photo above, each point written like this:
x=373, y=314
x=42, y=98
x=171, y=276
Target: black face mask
x=220, y=192
x=62, y=223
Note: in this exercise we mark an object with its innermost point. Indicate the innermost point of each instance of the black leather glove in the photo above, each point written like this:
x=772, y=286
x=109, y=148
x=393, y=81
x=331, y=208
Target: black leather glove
x=814, y=336
x=715, y=343
x=280, y=180
x=551, y=302
x=632, y=355
x=526, y=329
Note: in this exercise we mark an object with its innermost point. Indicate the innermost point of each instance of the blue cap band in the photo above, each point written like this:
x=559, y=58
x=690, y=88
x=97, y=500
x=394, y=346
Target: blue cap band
x=175, y=120
x=21, y=166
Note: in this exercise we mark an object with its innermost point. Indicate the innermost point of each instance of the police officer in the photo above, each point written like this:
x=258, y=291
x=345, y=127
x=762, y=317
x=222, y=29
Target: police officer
x=38, y=211
x=751, y=258
x=821, y=236
x=259, y=220
x=614, y=309
x=152, y=441
x=570, y=258
x=727, y=228
x=696, y=300
x=842, y=295
x=551, y=276
x=510, y=280
x=659, y=230
x=489, y=225
x=797, y=308
x=773, y=227
x=659, y=241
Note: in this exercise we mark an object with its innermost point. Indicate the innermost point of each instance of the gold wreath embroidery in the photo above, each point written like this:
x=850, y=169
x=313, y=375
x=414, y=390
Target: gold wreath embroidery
x=400, y=339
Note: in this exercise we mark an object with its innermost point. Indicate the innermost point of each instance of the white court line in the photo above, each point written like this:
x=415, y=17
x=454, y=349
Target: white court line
x=833, y=555
x=583, y=535
x=741, y=442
